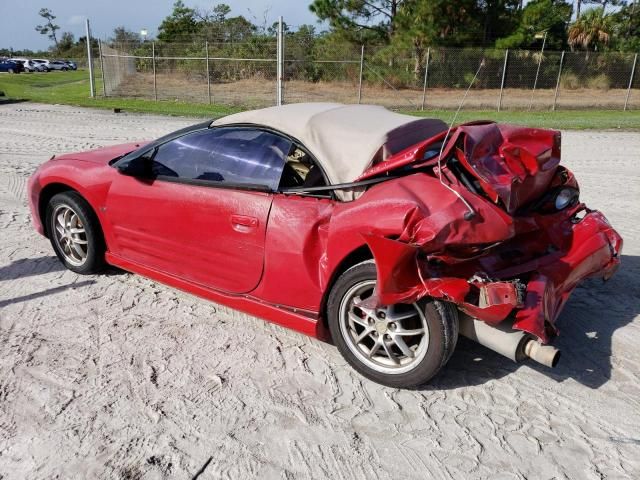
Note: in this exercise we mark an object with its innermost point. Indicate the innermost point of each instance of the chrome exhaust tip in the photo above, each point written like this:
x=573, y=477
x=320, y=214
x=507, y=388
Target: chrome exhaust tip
x=547, y=355
x=514, y=344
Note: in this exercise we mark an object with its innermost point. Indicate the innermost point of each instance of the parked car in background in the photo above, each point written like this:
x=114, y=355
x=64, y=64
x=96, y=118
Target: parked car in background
x=21, y=62
x=29, y=65
x=43, y=63
x=72, y=65
x=11, y=66
x=40, y=67
x=58, y=65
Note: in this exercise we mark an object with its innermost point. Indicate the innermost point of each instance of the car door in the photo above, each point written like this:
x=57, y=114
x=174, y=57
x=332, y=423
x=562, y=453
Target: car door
x=201, y=212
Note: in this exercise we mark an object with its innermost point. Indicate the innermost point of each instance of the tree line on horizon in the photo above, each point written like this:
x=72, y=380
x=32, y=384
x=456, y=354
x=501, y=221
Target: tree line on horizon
x=396, y=34
x=414, y=24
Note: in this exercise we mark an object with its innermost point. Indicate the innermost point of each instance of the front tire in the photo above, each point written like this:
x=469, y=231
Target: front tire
x=75, y=233
x=400, y=346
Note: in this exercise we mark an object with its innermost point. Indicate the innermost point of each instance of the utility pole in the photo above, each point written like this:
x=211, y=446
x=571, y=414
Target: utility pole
x=280, y=63
x=89, y=59
x=360, y=76
x=535, y=82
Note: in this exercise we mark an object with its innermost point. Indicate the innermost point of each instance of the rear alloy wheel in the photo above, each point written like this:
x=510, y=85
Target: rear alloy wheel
x=11, y=70
x=402, y=345
x=75, y=234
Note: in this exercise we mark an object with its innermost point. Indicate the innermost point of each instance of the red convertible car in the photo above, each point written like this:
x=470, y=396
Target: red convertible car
x=385, y=233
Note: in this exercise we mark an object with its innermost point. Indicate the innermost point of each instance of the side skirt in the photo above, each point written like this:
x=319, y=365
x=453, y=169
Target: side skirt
x=301, y=321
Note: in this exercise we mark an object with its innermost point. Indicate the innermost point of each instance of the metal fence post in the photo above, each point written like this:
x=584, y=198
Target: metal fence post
x=360, y=78
x=206, y=47
x=633, y=72
x=504, y=74
x=426, y=78
x=104, y=85
x=153, y=62
x=89, y=59
x=555, y=96
x=535, y=82
x=280, y=62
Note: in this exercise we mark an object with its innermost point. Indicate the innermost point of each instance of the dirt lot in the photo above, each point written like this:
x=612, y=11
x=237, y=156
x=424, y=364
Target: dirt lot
x=261, y=92
x=118, y=377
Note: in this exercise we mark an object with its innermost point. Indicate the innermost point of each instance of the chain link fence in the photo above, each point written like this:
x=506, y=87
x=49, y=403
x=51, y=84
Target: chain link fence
x=319, y=70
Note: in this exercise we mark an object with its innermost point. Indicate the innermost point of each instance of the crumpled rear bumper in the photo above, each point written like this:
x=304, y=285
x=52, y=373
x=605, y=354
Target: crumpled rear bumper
x=532, y=293
x=595, y=252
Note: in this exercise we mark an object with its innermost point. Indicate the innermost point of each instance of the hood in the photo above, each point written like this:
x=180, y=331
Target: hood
x=101, y=155
x=511, y=164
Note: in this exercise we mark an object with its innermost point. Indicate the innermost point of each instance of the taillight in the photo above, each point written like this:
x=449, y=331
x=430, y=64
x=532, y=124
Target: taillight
x=565, y=197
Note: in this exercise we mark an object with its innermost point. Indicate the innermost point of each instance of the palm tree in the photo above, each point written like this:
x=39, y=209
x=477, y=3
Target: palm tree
x=591, y=30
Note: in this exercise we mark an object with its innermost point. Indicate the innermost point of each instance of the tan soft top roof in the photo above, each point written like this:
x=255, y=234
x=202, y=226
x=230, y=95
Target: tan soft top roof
x=345, y=139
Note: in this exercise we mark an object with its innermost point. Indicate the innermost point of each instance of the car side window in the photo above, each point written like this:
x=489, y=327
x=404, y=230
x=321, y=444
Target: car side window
x=235, y=156
x=300, y=171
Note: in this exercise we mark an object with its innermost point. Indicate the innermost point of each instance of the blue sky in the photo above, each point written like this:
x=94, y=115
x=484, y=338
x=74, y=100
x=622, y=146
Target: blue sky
x=19, y=17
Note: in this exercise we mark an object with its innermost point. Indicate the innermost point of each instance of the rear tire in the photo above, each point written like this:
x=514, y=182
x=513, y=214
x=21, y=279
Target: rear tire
x=385, y=344
x=75, y=234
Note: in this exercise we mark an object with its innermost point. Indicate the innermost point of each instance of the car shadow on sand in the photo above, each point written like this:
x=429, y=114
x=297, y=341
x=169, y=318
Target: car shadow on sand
x=594, y=312
x=29, y=267
x=44, y=293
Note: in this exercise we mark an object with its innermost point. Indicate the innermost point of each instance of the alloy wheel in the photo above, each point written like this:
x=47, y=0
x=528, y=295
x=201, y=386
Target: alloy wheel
x=70, y=235
x=391, y=339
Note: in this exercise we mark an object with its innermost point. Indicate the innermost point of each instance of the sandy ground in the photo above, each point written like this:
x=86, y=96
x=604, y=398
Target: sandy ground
x=118, y=377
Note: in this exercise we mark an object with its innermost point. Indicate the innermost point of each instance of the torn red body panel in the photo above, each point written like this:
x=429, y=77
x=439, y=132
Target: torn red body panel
x=516, y=256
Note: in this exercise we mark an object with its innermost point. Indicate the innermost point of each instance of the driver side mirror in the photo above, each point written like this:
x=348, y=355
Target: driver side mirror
x=136, y=167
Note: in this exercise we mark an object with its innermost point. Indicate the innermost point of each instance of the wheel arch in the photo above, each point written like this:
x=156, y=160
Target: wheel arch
x=46, y=194
x=356, y=256
x=52, y=189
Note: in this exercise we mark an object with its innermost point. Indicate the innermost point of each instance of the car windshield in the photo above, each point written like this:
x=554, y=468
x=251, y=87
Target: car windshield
x=122, y=160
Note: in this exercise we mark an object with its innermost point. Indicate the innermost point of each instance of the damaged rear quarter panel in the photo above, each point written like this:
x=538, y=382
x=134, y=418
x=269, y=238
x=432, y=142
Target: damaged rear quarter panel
x=499, y=261
x=493, y=265
x=410, y=217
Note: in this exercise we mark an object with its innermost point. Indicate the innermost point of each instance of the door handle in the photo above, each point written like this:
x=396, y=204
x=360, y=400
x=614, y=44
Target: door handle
x=243, y=223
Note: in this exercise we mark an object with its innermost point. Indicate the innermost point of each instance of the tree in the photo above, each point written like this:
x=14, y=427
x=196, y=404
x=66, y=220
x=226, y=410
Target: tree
x=122, y=36
x=273, y=29
x=217, y=25
x=591, y=30
x=238, y=29
x=500, y=18
x=551, y=16
x=626, y=28
x=359, y=20
x=220, y=12
x=48, y=28
x=182, y=22
x=437, y=22
x=604, y=3
x=66, y=42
